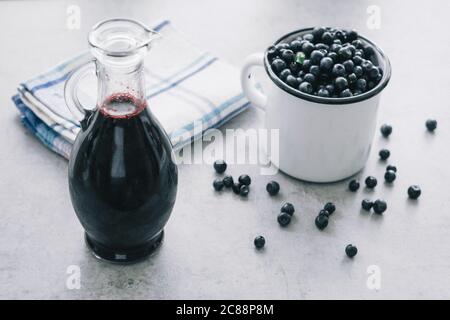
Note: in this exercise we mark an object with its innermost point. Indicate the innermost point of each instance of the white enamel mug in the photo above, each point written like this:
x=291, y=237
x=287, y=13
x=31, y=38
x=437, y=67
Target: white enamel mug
x=320, y=139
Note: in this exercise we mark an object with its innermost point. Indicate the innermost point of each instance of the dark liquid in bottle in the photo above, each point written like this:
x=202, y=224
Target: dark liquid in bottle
x=122, y=179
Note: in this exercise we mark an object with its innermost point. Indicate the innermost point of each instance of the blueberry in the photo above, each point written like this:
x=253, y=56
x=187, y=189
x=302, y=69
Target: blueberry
x=307, y=48
x=324, y=212
x=218, y=184
x=321, y=221
x=282, y=45
x=323, y=47
x=236, y=187
x=371, y=182
x=327, y=37
x=272, y=52
x=309, y=37
x=374, y=73
x=358, y=44
x=220, y=166
x=358, y=71
x=228, y=181
x=384, y=154
x=244, y=190
x=306, y=87
x=245, y=179
x=335, y=48
x=379, y=206
x=431, y=125
x=316, y=56
x=296, y=45
x=333, y=56
x=390, y=176
x=294, y=67
x=338, y=70
x=318, y=32
x=392, y=168
x=339, y=35
x=291, y=81
x=357, y=60
x=340, y=83
x=349, y=66
x=368, y=51
x=273, y=188
x=367, y=66
x=370, y=85
x=351, y=251
x=309, y=77
x=386, y=130
x=324, y=93
x=353, y=185
x=288, y=208
x=324, y=77
x=278, y=65
x=414, y=192
x=326, y=64
x=366, y=204
x=284, y=219
x=306, y=65
x=330, y=88
x=352, y=78
x=285, y=73
x=330, y=207
x=288, y=55
x=314, y=70
x=345, y=93
x=361, y=84
x=344, y=53
x=259, y=242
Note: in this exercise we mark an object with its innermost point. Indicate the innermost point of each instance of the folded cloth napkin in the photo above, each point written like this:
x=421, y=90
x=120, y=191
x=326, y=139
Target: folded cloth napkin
x=188, y=89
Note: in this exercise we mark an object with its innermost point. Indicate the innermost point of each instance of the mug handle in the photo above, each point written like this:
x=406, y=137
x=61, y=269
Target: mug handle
x=74, y=105
x=255, y=96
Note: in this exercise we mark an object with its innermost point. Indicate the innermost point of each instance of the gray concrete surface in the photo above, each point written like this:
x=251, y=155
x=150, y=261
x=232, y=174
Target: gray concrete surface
x=208, y=250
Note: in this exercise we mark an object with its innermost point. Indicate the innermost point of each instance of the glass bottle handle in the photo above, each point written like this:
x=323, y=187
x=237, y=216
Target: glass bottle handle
x=71, y=93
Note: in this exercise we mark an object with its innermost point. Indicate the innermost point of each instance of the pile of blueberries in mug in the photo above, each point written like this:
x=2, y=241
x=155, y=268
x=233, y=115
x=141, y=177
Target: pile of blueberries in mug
x=327, y=62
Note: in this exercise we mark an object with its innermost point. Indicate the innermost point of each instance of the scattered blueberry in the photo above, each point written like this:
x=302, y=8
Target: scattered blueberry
x=321, y=221
x=353, y=185
x=366, y=204
x=384, y=154
x=228, y=181
x=330, y=207
x=351, y=251
x=284, y=219
x=218, y=184
x=392, y=168
x=236, y=188
x=259, y=242
x=414, y=192
x=288, y=208
x=324, y=212
x=379, y=206
x=245, y=179
x=273, y=188
x=431, y=125
x=390, y=176
x=244, y=190
x=220, y=166
x=371, y=182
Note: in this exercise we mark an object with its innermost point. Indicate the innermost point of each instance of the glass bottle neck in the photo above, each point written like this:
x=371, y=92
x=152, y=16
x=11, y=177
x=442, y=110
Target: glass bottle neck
x=121, y=88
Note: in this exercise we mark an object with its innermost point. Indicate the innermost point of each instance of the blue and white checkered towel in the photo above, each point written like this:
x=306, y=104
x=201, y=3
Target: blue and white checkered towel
x=188, y=89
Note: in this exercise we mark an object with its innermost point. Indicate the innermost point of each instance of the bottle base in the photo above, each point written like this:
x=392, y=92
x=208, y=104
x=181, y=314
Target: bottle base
x=104, y=253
